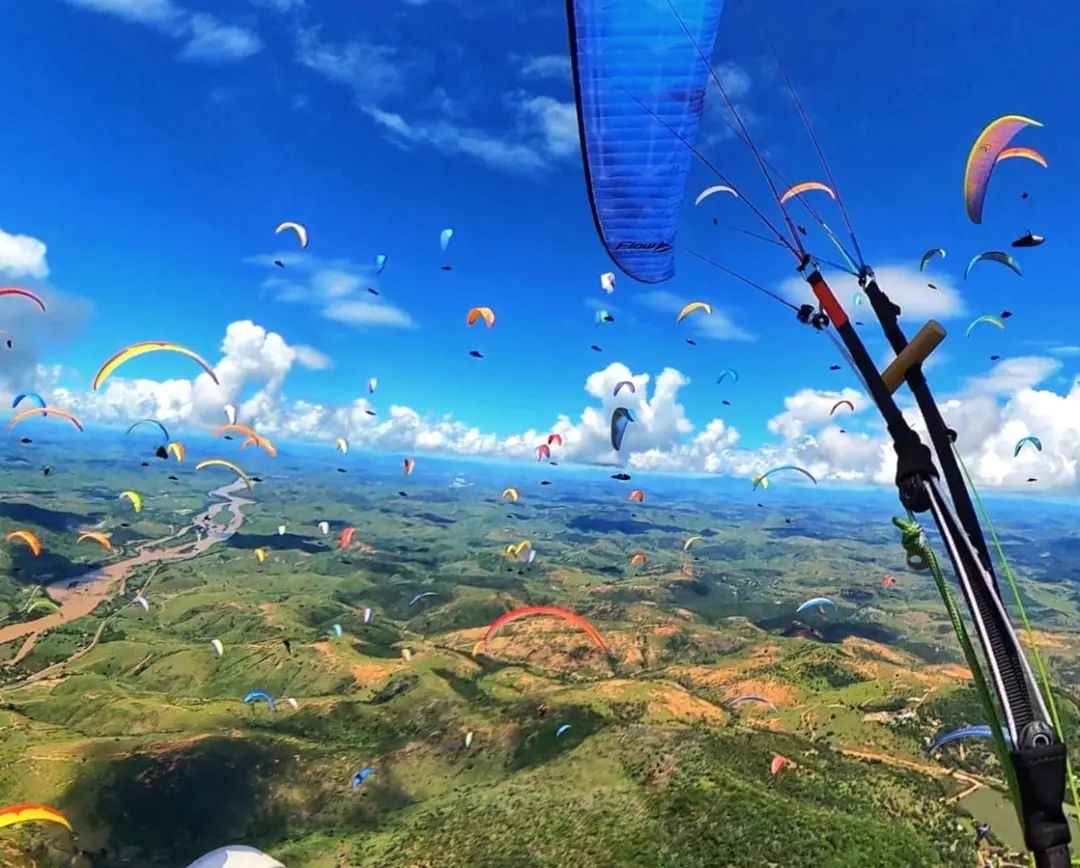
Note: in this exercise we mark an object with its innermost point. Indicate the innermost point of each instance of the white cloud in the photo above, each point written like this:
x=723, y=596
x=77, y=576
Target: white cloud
x=22, y=256
x=250, y=355
x=811, y=407
x=154, y=12
x=544, y=131
x=717, y=326
x=1013, y=375
x=547, y=66
x=988, y=418
x=206, y=37
x=213, y=40
x=338, y=286
x=905, y=285
x=452, y=138
x=539, y=130
x=311, y=358
x=556, y=121
x=359, y=312
x=373, y=71
x=718, y=124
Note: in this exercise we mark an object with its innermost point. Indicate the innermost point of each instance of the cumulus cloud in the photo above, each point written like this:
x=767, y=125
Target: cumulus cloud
x=22, y=256
x=206, y=37
x=337, y=286
x=907, y=286
x=990, y=415
x=251, y=355
x=718, y=326
x=33, y=335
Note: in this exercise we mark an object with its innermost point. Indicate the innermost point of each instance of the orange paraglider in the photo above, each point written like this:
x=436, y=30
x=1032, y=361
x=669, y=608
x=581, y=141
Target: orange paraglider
x=28, y=537
x=551, y=611
x=485, y=313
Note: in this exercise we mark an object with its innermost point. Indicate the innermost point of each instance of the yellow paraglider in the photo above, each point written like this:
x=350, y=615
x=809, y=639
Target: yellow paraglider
x=690, y=308
x=176, y=449
x=140, y=349
x=342, y=445
x=11, y=815
x=511, y=494
x=221, y=462
x=260, y=554
x=134, y=497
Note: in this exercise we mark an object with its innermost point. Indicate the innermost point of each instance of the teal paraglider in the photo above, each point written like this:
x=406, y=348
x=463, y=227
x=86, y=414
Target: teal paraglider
x=619, y=420
x=1034, y=441
x=164, y=430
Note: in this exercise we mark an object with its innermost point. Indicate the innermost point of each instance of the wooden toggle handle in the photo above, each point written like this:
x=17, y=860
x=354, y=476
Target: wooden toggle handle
x=915, y=353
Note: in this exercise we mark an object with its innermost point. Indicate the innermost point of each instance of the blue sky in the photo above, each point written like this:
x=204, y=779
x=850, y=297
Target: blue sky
x=154, y=145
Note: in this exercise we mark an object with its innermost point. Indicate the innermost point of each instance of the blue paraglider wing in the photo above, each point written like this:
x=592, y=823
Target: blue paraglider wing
x=979, y=731
x=259, y=694
x=360, y=777
x=639, y=83
x=816, y=602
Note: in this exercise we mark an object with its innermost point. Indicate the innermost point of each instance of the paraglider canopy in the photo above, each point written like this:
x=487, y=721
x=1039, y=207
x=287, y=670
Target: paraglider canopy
x=236, y=856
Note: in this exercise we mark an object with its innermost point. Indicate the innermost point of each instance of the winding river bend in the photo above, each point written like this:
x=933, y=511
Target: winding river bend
x=79, y=597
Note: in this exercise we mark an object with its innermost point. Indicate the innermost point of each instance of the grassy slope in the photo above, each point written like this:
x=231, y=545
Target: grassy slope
x=144, y=743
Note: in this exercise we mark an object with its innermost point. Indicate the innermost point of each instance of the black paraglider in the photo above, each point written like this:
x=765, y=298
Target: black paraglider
x=1029, y=239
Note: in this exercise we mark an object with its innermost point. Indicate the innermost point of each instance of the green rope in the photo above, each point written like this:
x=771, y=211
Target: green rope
x=919, y=552
x=1040, y=666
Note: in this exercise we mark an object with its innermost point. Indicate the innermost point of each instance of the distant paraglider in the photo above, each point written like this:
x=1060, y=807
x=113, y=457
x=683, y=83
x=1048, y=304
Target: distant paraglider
x=1034, y=441
x=994, y=256
x=819, y=603
x=298, y=228
x=763, y=479
x=717, y=188
x=1029, y=239
x=620, y=418
x=984, y=156
x=806, y=187
x=133, y=351
x=989, y=320
x=930, y=254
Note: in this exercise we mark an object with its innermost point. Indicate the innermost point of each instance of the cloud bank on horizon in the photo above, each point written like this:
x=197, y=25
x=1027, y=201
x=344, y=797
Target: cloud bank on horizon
x=990, y=414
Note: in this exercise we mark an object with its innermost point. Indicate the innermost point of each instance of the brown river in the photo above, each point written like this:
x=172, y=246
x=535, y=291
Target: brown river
x=79, y=597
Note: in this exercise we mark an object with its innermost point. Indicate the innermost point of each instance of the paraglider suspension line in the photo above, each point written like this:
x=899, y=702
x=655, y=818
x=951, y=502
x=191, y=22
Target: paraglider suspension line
x=1038, y=754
